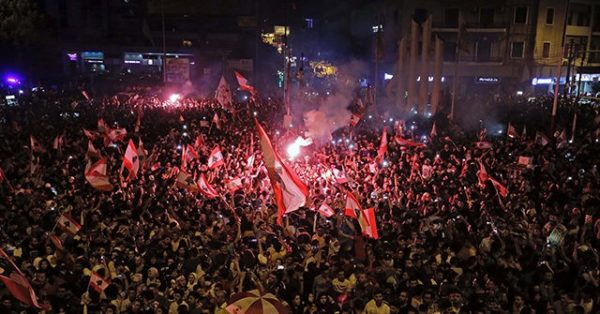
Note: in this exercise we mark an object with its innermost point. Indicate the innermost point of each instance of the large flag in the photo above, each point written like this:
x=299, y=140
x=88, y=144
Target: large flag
x=223, y=94
x=405, y=142
x=216, y=158
x=368, y=224
x=483, y=177
x=243, y=82
x=96, y=175
x=16, y=282
x=541, y=139
x=290, y=192
x=512, y=132
x=352, y=206
x=131, y=161
x=36, y=147
x=326, y=210
x=98, y=283
x=383, y=146
x=186, y=181
x=68, y=224
x=205, y=188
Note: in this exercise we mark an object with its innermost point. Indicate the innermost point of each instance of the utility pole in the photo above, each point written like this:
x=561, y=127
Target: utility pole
x=583, y=52
x=570, y=58
x=164, y=43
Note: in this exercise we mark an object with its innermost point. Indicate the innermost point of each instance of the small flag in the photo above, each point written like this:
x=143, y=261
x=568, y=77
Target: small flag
x=433, y=133
x=205, y=188
x=383, y=146
x=199, y=142
x=368, y=223
x=541, y=139
x=216, y=158
x=96, y=175
x=483, y=145
x=216, y=121
x=561, y=140
x=186, y=181
x=243, y=82
x=352, y=206
x=68, y=224
x=340, y=176
x=223, y=94
x=512, y=132
x=326, y=210
x=98, y=283
x=131, y=161
x=234, y=184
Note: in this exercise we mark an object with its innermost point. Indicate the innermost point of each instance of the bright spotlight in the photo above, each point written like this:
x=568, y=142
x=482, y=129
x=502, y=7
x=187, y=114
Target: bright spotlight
x=293, y=150
x=174, y=98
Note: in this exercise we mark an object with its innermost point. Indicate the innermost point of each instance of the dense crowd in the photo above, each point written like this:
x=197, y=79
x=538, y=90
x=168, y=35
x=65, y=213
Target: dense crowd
x=448, y=241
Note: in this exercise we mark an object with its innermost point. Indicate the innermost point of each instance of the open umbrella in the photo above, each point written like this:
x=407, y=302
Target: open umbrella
x=255, y=302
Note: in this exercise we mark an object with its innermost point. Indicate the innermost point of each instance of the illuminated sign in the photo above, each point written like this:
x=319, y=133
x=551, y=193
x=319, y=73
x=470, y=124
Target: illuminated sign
x=487, y=79
x=542, y=81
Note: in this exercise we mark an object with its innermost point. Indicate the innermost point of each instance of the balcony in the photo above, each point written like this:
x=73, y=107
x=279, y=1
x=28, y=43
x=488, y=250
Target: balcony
x=481, y=59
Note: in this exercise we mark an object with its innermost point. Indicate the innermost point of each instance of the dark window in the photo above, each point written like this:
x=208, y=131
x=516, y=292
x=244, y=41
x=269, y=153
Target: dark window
x=596, y=22
x=517, y=49
x=450, y=51
x=451, y=18
x=484, y=50
x=550, y=16
x=546, y=50
x=486, y=17
x=521, y=15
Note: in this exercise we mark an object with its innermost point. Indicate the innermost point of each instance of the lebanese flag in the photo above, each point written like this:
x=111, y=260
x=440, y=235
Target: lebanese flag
x=16, y=282
x=340, y=176
x=405, y=142
x=131, y=161
x=433, y=133
x=352, y=206
x=290, y=192
x=36, y=147
x=383, y=146
x=216, y=121
x=98, y=283
x=511, y=131
x=58, y=142
x=205, y=188
x=500, y=188
x=199, y=142
x=561, y=140
x=216, y=158
x=186, y=181
x=541, y=139
x=187, y=155
x=243, y=82
x=191, y=152
x=482, y=174
x=368, y=223
x=68, y=224
x=96, y=175
x=326, y=210
x=483, y=145
x=234, y=184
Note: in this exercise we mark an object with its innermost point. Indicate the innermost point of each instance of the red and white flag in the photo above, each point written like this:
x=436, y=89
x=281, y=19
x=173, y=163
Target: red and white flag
x=541, y=139
x=326, y=210
x=511, y=131
x=16, y=282
x=216, y=121
x=223, y=94
x=340, y=176
x=36, y=147
x=383, y=146
x=131, y=161
x=205, y=187
x=68, y=224
x=483, y=145
x=405, y=142
x=561, y=140
x=352, y=206
x=243, y=82
x=290, y=192
x=96, y=175
x=368, y=223
x=500, y=188
x=199, y=142
x=250, y=161
x=186, y=181
x=433, y=133
x=58, y=142
x=216, y=158
x=234, y=184
x=98, y=283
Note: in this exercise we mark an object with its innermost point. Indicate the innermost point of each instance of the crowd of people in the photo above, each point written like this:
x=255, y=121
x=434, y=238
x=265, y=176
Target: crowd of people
x=448, y=240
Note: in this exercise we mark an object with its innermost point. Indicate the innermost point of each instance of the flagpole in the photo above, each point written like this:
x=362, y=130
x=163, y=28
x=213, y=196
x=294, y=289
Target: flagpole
x=556, y=87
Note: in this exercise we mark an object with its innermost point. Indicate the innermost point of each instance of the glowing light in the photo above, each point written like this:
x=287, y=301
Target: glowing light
x=391, y=120
x=276, y=132
x=519, y=93
x=185, y=134
x=174, y=98
x=370, y=117
x=21, y=91
x=351, y=146
x=178, y=147
x=293, y=150
x=255, y=113
x=185, y=126
x=499, y=131
x=385, y=163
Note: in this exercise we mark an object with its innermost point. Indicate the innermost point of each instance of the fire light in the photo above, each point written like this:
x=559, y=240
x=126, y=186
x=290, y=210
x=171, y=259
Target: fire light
x=174, y=98
x=293, y=150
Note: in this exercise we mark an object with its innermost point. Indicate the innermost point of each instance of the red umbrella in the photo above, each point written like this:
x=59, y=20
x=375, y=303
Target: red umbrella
x=255, y=302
